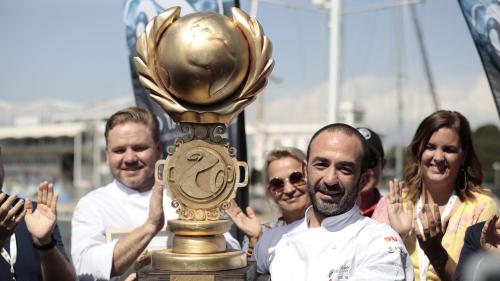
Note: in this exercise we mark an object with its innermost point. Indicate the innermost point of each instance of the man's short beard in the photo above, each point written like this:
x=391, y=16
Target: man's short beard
x=332, y=209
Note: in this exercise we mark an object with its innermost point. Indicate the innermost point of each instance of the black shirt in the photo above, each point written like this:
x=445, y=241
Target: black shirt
x=27, y=267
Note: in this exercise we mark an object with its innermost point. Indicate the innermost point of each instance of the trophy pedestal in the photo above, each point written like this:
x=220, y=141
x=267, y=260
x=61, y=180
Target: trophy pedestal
x=168, y=260
x=248, y=273
x=198, y=246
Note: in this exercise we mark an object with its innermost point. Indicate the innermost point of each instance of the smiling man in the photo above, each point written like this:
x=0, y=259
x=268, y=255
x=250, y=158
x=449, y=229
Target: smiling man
x=132, y=201
x=334, y=241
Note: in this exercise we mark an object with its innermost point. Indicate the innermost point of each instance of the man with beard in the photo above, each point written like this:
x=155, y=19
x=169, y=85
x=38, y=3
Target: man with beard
x=131, y=201
x=334, y=241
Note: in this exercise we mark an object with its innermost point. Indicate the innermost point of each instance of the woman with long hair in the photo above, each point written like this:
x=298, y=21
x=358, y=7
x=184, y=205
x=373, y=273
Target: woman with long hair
x=443, y=195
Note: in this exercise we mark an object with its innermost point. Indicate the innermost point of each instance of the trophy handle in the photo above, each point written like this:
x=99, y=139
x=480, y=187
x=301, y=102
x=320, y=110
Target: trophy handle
x=244, y=165
x=161, y=176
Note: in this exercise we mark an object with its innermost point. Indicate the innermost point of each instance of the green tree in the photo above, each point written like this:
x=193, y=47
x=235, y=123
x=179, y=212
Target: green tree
x=486, y=140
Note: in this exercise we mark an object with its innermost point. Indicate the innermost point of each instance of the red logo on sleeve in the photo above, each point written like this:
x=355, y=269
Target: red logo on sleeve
x=390, y=238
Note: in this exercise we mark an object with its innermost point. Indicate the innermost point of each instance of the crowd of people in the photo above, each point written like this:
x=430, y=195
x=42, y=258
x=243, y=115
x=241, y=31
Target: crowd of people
x=334, y=222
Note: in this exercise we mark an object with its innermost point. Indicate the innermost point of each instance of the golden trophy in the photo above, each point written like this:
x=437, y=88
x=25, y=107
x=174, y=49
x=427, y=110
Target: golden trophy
x=203, y=69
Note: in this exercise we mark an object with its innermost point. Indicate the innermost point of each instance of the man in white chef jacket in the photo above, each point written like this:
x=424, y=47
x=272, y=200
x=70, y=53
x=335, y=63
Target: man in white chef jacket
x=132, y=200
x=334, y=241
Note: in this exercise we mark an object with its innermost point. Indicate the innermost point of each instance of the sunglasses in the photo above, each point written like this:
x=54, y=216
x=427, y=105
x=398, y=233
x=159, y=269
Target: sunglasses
x=295, y=178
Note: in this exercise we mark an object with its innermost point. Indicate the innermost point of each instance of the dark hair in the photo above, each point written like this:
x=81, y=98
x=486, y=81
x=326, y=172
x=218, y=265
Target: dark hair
x=137, y=115
x=375, y=147
x=350, y=131
x=473, y=177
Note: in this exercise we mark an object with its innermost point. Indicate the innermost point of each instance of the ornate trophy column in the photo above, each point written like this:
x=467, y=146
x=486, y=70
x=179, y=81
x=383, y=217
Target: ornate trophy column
x=203, y=69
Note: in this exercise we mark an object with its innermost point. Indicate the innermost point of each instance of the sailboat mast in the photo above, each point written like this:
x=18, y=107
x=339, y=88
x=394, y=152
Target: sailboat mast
x=399, y=91
x=425, y=59
x=335, y=62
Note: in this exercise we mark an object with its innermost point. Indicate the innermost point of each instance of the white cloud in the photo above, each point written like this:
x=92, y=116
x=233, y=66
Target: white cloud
x=377, y=96
x=307, y=107
x=476, y=103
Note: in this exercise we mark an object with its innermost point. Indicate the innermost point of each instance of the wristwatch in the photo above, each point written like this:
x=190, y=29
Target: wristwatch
x=47, y=246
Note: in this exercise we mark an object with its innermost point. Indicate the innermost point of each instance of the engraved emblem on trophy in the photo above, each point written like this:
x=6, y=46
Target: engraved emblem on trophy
x=203, y=69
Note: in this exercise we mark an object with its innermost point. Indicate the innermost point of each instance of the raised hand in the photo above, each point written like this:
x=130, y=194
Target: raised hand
x=248, y=223
x=42, y=221
x=8, y=218
x=156, y=217
x=433, y=232
x=430, y=241
x=401, y=220
x=490, y=235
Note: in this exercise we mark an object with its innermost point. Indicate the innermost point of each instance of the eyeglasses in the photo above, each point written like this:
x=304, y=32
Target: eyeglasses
x=277, y=184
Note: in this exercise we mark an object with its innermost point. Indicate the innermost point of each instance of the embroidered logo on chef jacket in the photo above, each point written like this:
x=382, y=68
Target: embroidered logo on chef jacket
x=398, y=249
x=340, y=272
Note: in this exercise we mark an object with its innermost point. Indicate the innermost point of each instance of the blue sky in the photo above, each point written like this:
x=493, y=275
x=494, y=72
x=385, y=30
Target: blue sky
x=72, y=50
x=76, y=50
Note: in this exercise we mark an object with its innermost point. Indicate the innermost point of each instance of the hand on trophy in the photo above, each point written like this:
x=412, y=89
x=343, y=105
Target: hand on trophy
x=131, y=277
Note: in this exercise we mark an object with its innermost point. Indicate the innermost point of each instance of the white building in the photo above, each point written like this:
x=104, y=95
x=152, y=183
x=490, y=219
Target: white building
x=62, y=142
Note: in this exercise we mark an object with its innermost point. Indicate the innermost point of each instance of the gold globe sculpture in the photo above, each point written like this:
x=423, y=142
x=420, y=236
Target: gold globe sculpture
x=204, y=58
x=204, y=67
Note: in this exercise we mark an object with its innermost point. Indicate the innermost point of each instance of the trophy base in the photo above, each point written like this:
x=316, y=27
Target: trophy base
x=247, y=273
x=166, y=260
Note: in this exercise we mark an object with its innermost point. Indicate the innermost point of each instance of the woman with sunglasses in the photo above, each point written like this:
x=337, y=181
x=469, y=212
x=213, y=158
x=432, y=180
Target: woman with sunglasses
x=287, y=187
x=443, y=195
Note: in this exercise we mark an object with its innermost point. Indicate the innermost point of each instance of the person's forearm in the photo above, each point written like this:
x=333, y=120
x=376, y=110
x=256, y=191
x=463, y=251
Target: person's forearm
x=252, y=241
x=55, y=266
x=445, y=267
x=130, y=247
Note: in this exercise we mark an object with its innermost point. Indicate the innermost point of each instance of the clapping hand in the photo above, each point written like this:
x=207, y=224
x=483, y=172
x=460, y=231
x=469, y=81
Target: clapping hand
x=401, y=220
x=431, y=236
x=156, y=217
x=248, y=223
x=8, y=218
x=490, y=236
x=41, y=222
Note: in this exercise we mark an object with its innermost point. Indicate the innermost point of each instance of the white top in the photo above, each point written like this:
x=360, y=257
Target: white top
x=348, y=246
x=111, y=206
